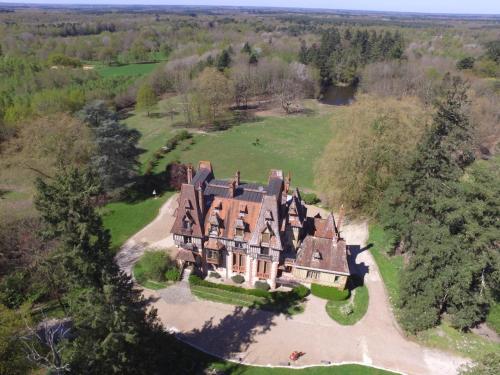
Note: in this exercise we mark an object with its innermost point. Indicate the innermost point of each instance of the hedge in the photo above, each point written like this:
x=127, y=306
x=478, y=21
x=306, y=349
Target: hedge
x=238, y=279
x=196, y=280
x=261, y=285
x=329, y=293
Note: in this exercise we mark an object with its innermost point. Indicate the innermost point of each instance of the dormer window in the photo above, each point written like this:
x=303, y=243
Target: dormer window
x=239, y=232
x=214, y=229
x=266, y=237
x=317, y=255
x=187, y=222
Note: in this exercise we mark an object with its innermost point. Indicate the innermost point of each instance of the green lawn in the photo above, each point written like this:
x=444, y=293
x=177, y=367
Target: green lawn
x=288, y=143
x=225, y=296
x=389, y=266
x=124, y=219
x=359, y=307
x=443, y=336
x=125, y=70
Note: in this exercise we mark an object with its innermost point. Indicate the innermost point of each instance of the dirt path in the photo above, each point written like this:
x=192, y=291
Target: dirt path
x=263, y=338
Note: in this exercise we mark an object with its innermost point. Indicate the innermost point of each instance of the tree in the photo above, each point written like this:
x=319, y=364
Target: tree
x=116, y=156
x=146, y=98
x=114, y=333
x=445, y=223
x=465, y=63
x=12, y=357
x=246, y=48
x=214, y=92
x=223, y=60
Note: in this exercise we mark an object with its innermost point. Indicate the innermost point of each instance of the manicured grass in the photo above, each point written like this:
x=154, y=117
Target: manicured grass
x=124, y=219
x=329, y=293
x=493, y=318
x=225, y=296
x=359, y=301
x=389, y=266
x=126, y=70
x=282, y=302
x=288, y=143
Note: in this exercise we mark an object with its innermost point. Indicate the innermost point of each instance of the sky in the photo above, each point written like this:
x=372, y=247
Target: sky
x=424, y=6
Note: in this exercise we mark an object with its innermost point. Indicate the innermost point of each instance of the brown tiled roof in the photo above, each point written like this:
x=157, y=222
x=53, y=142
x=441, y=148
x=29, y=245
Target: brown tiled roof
x=188, y=209
x=297, y=210
x=185, y=255
x=323, y=254
x=323, y=228
x=228, y=212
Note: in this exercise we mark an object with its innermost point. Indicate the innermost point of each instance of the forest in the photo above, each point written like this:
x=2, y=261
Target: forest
x=98, y=109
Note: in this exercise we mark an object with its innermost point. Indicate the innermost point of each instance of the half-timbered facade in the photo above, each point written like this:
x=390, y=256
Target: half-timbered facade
x=259, y=231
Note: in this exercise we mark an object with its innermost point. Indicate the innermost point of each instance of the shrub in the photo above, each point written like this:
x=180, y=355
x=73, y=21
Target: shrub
x=215, y=275
x=152, y=266
x=172, y=274
x=238, y=279
x=262, y=285
x=310, y=198
x=329, y=293
x=465, y=63
x=13, y=290
x=301, y=291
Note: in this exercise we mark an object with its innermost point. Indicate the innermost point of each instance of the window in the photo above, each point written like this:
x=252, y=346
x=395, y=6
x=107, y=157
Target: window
x=187, y=239
x=313, y=275
x=186, y=224
x=264, y=250
x=238, y=262
x=336, y=278
x=212, y=254
x=266, y=237
x=239, y=232
x=238, y=245
x=263, y=269
x=214, y=229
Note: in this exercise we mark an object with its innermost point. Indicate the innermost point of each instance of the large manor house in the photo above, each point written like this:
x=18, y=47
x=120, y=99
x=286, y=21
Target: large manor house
x=261, y=232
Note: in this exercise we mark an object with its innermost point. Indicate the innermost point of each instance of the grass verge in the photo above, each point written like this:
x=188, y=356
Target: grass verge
x=359, y=303
x=124, y=219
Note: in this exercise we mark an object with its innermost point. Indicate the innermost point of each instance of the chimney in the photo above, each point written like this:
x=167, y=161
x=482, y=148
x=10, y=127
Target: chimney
x=232, y=188
x=288, y=180
x=201, y=201
x=341, y=219
x=189, y=173
x=237, y=178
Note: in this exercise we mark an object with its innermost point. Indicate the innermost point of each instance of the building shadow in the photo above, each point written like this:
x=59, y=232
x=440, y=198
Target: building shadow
x=233, y=334
x=358, y=269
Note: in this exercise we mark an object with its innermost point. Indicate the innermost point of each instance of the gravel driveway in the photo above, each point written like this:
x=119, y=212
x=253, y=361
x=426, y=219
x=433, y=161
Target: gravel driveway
x=263, y=338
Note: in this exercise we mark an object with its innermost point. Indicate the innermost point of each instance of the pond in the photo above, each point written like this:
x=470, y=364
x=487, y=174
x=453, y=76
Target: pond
x=338, y=95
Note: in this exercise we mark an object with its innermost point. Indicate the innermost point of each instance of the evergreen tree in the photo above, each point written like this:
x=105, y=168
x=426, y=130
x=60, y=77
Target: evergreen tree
x=445, y=223
x=116, y=157
x=113, y=332
x=246, y=48
x=223, y=60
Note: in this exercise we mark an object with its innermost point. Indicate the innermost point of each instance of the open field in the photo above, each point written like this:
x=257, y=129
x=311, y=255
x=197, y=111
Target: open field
x=291, y=143
x=125, y=70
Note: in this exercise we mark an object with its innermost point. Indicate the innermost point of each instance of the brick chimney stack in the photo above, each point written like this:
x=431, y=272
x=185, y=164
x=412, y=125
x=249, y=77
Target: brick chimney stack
x=237, y=178
x=288, y=180
x=232, y=188
x=189, y=173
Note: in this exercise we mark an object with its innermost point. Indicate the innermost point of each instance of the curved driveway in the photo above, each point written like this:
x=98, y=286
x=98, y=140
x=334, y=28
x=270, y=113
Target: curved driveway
x=263, y=338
